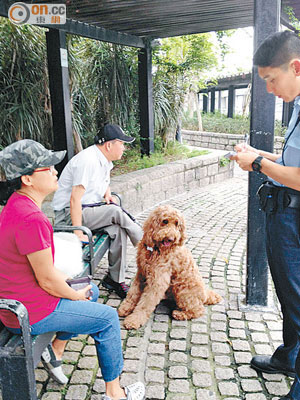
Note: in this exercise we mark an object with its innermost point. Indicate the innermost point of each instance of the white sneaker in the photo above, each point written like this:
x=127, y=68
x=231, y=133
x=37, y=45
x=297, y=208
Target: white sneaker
x=136, y=391
x=53, y=366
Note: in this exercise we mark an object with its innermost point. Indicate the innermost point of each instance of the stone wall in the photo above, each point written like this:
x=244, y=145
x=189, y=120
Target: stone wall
x=144, y=188
x=221, y=141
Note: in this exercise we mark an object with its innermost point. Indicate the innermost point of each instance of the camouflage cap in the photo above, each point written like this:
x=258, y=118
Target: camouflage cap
x=24, y=156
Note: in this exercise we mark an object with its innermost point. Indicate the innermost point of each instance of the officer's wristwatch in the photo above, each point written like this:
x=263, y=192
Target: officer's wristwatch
x=256, y=165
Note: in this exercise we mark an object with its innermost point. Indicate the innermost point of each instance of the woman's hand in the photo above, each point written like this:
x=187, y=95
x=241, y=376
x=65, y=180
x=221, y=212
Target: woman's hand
x=50, y=279
x=82, y=293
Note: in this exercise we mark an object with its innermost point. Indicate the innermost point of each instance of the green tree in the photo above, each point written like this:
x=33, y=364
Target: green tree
x=178, y=67
x=24, y=96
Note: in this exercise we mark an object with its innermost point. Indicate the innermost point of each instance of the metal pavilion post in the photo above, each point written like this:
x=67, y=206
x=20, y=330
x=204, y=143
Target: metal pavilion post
x=231, y=101
x=60, y=92
x=266, y=22
x=212, y=100
x=146, y=100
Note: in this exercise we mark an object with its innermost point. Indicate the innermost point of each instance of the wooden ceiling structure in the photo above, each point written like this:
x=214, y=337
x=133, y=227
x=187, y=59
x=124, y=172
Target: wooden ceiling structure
x=166, y=18
x=137, y=23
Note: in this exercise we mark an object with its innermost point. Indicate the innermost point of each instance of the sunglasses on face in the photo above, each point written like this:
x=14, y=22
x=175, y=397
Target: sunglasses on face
x=50, y=169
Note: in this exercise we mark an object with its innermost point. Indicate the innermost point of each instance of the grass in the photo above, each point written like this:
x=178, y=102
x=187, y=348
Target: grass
x=220, y=123
x=132, y=160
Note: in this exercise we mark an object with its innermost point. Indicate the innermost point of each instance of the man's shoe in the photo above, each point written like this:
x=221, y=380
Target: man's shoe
x=120, y=288
x=53, y=366
x=270, y=365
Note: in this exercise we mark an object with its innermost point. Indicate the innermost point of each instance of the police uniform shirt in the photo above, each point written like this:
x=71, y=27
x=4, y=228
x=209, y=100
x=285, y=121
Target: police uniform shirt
x=291, y=154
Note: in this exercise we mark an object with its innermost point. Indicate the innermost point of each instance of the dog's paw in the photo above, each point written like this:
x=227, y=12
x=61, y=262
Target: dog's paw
x=212, y=297
x=133, y=322
x=187, y=314
x=124, y=310
x=179, y=315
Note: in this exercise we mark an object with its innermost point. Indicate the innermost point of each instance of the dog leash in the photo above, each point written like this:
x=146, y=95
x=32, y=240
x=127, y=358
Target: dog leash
x=103, y=203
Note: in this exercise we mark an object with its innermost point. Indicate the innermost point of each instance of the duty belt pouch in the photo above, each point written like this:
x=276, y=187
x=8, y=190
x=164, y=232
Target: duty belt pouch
x=267, y=194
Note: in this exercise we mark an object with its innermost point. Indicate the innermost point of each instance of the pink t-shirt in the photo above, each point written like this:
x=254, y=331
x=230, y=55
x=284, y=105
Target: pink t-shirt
x=24, y=229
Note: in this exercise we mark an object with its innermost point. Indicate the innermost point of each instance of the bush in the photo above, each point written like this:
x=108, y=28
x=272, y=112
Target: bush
x=132, y=160
x=220, y=123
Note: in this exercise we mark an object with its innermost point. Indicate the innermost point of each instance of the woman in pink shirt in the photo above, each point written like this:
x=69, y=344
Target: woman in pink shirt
x=27, y=272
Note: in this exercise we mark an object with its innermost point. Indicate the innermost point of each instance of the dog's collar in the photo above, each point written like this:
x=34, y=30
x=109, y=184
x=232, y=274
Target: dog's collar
x=151, y=248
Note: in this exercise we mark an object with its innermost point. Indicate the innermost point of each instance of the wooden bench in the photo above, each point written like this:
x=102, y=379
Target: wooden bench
x=20, y=354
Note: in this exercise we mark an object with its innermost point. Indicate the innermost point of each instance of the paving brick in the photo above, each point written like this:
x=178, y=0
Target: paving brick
x=204, y=394
x=256, y=326
x=240, y=345
x=158, y=337
x=199, y=339
x=263, y=349
x=89, y=351
x=51, y=396
x=199, y=351
x=245, y=371
x=178, y=356
x=178, y=372
x=156, y=348
x=224, y=373
x=220, y=348
x=155, y=392
x=242, y=357
x=99, y=386
x=260, y=337
x=178, y=333
x=177, y=345
x=179, y=386
x=201, y=366
x=76, y=392
x=255, y=396
x=277, y=388
x=199, y=328
x=81, y=376
x=228, y=388
x=237, y=333
x=131, y=366
x=251, y=385
x=88, y=362
x=202, y=380
x=155, y=376
x=218, y=336
x=133, y=353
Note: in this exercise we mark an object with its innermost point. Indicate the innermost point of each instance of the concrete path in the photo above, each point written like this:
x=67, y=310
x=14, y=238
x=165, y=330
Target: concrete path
x=203, y=359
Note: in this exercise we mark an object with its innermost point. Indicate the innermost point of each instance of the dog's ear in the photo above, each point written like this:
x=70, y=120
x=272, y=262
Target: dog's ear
x=148, y=227
x=182, y=230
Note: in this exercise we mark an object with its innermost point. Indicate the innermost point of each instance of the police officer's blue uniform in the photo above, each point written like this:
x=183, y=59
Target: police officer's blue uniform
x=283, y=250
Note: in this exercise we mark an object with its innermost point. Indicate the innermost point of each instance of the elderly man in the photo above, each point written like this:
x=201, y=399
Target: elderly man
x=83, y=184
x=278, y=61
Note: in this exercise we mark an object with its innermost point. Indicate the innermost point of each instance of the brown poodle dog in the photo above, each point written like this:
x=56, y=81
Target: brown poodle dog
x=165, y=266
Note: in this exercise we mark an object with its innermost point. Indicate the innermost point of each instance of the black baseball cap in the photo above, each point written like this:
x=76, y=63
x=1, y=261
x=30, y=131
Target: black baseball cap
x=111, y=132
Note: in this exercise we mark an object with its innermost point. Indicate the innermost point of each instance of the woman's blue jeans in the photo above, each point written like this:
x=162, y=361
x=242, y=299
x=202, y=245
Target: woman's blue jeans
x=71, y=318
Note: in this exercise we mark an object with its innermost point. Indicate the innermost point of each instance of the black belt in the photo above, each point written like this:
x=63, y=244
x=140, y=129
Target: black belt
x=274, y=197
x=293, y=200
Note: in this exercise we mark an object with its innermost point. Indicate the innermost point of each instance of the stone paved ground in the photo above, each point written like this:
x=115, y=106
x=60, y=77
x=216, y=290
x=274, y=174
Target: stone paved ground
x=203, y=359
